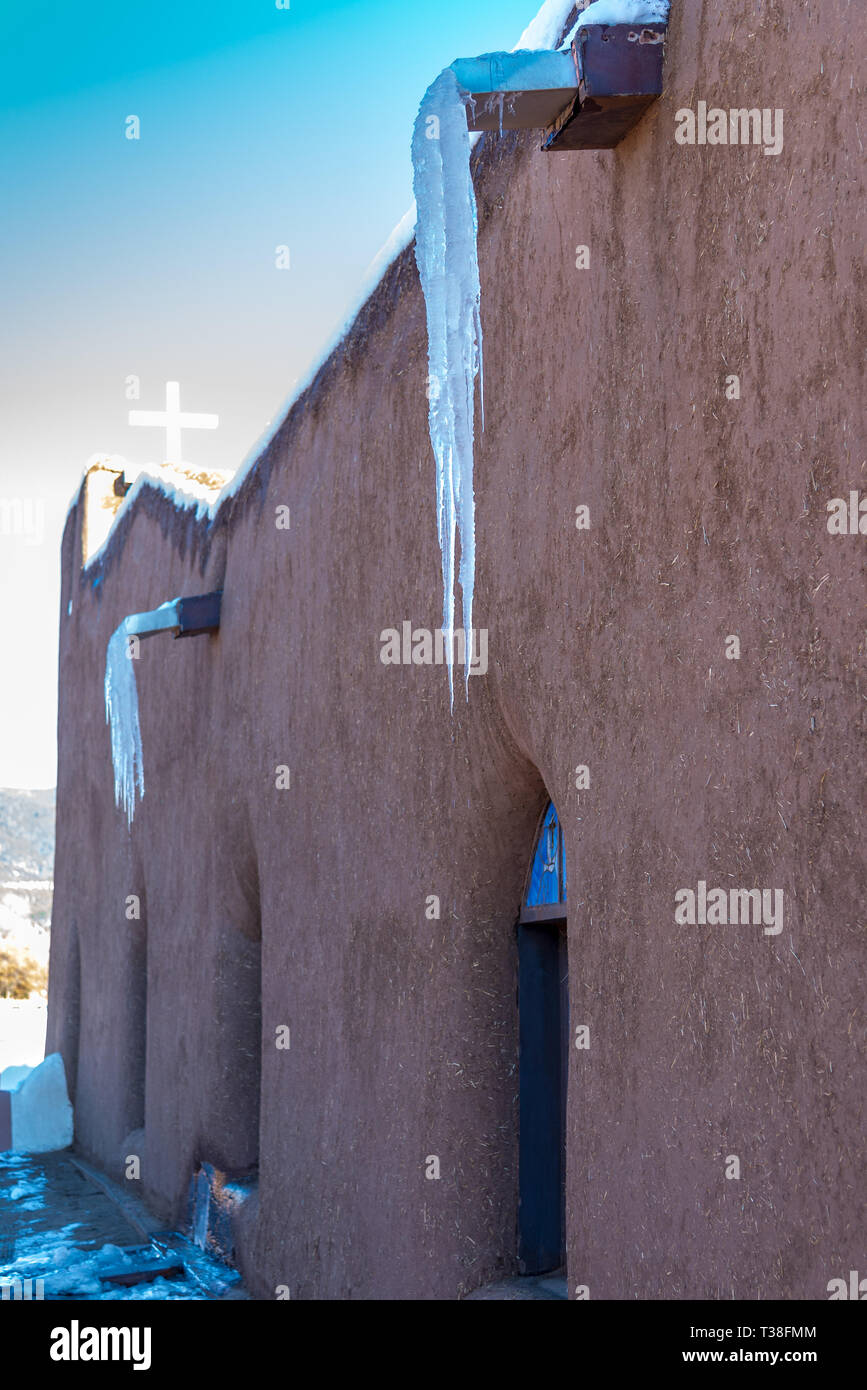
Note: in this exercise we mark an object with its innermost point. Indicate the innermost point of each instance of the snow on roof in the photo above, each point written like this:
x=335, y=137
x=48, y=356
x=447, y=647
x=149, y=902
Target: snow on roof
x=196, y=490
x=548, y=25
x=397, y=242
x=620, y=12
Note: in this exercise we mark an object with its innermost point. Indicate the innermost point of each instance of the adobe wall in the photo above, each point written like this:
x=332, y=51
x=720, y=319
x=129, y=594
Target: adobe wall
x=604, y=387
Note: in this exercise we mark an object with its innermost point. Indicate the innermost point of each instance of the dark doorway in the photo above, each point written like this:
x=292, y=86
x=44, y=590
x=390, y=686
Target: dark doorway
x=543, y=1055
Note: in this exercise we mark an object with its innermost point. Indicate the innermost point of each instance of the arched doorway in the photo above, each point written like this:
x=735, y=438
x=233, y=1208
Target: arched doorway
x=543, y=1054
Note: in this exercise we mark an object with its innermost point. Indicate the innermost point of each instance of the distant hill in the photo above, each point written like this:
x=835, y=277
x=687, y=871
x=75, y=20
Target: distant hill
x=26, y=835
x=26, y=869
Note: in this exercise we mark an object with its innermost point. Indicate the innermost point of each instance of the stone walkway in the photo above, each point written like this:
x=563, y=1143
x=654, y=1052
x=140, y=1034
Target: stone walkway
x=85, y=1237
x=542, y=1286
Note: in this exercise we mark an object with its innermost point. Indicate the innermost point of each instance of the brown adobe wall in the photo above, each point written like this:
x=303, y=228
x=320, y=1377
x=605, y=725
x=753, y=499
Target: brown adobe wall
x=603, y=387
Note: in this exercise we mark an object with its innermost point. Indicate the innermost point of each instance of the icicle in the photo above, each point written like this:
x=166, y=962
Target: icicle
x=448, y=265
x=121, y=712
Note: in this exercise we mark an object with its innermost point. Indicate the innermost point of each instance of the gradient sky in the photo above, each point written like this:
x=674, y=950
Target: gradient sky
x=260, y=127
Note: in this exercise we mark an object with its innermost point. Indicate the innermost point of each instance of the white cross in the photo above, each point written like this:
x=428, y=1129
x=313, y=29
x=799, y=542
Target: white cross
x=173, y=421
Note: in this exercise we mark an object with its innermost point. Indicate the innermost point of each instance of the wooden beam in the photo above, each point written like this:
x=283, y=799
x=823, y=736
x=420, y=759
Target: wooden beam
x=199, y=614
x=546, y=914
x=185, y=617
x=619, y=73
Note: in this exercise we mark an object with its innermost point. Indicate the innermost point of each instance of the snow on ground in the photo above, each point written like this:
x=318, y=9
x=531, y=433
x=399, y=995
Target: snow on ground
x=41, y=1109
x=22, y=1032
x=18, y=931
x=69, y=1272
x=11, y=1077
x=72, y=1240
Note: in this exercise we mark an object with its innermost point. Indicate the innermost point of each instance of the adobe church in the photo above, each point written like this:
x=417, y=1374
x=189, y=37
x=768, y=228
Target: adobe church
x=410, y=984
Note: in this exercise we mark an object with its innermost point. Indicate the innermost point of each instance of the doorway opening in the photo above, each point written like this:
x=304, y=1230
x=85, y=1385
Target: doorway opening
x=543, y=1054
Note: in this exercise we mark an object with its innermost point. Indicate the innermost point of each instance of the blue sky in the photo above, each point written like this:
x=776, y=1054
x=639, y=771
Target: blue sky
x=260, y=127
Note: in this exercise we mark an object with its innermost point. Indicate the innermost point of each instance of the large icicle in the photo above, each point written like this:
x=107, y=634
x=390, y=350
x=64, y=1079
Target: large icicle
x=121, y=712
x=448, y=266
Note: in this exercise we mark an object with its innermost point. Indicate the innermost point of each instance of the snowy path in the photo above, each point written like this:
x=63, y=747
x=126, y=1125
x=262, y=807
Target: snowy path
x=59, y=1227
